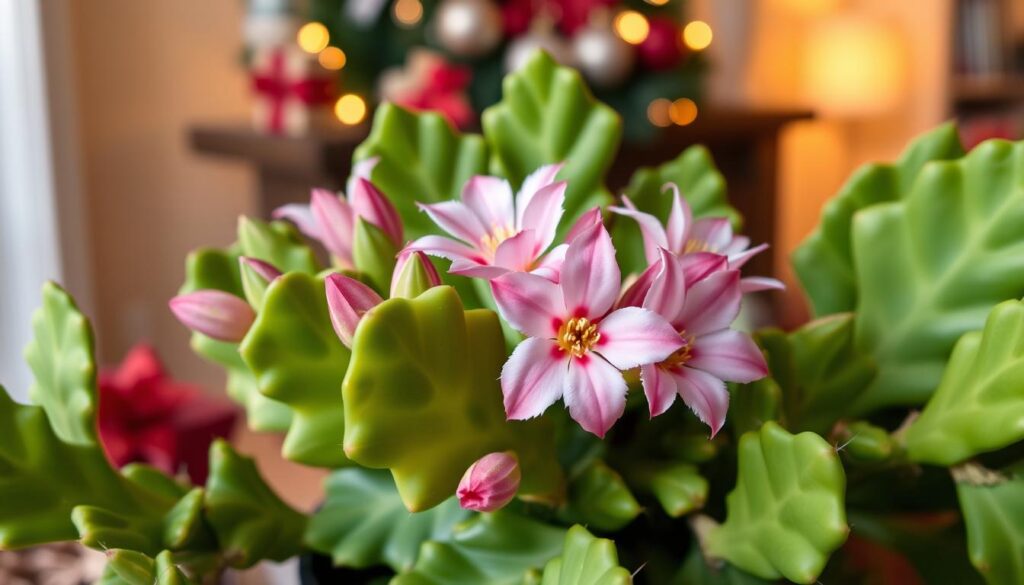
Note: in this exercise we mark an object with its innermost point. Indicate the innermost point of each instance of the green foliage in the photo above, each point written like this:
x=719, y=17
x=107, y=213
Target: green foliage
x=373, y=254
x=547, y=115
x=299, y=362
x=993, y=510
x=680, y=489
x=786, y=514
x=209, y=268
x=931, y=267
x=599, y=498
x=422, y=398
x=867, y=443
x=491, y=549
x=586, y=560
x=278, y=243
x=43, y=478
x=818, y=370
x=250, y=520
x=700, y=183
x=697, y=571
x=422, y=158
x=127, y=567
x=824, y=262
x=979, y=406
x=363, y=522
x=61, y=357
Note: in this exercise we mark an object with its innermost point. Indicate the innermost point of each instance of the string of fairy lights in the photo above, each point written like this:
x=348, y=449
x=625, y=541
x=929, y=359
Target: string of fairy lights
x=631, y=26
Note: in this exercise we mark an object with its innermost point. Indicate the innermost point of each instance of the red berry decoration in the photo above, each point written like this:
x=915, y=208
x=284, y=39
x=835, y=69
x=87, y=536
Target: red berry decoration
x=661, y=49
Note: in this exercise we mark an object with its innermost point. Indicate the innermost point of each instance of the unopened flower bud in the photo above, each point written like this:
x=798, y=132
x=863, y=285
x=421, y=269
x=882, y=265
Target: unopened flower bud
x=214, y=313
x=347, y=301
x=490, y=483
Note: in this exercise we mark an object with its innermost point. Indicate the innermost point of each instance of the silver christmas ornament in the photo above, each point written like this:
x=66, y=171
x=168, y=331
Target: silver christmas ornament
x=603, y=58
x=468, y=28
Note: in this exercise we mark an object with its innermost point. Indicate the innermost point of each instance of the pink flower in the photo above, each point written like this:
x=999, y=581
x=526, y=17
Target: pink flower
x=331, y=219
x=214, y=313
x=499, y=233
x=711, y=353
x=267, y=271
x=347, y=301
x=490, y=483
x=682, y=235
x=577, y=346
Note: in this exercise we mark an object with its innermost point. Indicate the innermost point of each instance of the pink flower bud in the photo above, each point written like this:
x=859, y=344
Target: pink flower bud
x=214, y=313
x=348, y=300
x=414, y=274
x=370, y=204
x=490, y=483
x=336, y=223
x=265, y=269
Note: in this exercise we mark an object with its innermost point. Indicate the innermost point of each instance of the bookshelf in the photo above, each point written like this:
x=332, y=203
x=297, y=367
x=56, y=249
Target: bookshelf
x=986, y=93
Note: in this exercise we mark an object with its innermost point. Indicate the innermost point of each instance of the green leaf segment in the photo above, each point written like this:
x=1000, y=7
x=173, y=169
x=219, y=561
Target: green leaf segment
x=993, y=509
x=363, y=522
x=422, y=399
x=547, y=115
x=786, y=514
x=979, y=406
x=586, y=560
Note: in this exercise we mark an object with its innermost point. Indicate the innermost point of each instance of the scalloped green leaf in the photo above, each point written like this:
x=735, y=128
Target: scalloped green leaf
x=276, y=242
x=818, y=370
x=599, y=497
x=62, y=360
x=824, y=261
x=699, y=181
x=786, y=515
x=373, y=254
x=422, y=159
x=210, y=268
x=491, y=549
x=134, y=568
x=42, y=479
x=586, y=560
x=299, y=362
x=680, y=489
x=547, y=115
x=363, y=522
x=993, y=511
x=422, y=399
x=931, y=267
x=251, y=522
x=979, y=406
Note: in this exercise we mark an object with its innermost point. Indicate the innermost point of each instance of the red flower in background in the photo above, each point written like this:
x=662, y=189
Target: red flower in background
x=148, y=417
x=429, y=82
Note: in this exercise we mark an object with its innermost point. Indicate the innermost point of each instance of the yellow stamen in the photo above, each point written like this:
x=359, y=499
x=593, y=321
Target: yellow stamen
x=577, y=336
x=693, y=245
x=499, y=233
x=682, y=355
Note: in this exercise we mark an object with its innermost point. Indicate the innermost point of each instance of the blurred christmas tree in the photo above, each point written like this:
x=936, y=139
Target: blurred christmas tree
x=639, y=56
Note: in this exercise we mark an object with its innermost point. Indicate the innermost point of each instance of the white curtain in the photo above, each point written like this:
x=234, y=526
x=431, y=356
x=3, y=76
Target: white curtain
x=29, y=244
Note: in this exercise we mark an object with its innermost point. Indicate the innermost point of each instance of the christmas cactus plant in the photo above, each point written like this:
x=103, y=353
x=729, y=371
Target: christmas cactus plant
x=474, y=282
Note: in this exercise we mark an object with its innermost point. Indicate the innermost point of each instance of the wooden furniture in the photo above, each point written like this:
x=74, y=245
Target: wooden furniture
x=744, y=144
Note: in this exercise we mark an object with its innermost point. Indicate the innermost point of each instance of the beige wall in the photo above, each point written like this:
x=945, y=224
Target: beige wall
x=145, y=72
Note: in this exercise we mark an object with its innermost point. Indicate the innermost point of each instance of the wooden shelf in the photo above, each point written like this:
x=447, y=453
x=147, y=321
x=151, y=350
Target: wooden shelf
x=985, y=90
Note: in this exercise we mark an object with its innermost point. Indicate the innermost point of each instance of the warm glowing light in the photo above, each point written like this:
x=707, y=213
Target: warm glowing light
x=683, y=111
x=658, y=112
x=332, y=58
x=657, y=2
x=350, y=109
x=632, y=27
x=408, y=12
x=854, y=66
x=697, y=35
x=313, y=37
